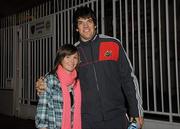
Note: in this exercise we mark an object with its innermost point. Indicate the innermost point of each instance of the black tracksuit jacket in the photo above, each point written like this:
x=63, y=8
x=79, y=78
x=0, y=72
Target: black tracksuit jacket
x=106, y=78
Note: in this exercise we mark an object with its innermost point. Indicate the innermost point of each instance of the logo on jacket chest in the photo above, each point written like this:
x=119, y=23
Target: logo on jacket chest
x=108, y=51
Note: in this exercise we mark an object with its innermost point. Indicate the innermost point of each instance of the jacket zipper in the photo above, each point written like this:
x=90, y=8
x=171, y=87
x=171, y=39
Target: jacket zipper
x=95, y=74
x=97, y=85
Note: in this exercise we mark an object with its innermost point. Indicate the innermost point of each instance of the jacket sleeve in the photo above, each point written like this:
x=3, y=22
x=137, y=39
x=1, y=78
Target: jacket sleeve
x=41, y=118
x=130, y=85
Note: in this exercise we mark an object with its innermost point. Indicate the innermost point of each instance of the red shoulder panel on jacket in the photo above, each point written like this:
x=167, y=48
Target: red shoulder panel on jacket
x=108, y=51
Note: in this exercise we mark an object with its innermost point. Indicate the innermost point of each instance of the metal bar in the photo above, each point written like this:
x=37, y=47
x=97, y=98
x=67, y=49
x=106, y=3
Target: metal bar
x=65, y=4
x=33, y=67
x=58, y=29
x=40, y=10
x=126, y=31
x=57, y=6
x=168, y=57
x=49, y=50
x=160, y=54
x=28, y=71
x=139, y=47
x=21, y=91
x=52, y=51
x=132, y=17
x=97, y=16
x=121, y=31
x=176, y=57
x=76, y=6
x=114, y=18
x=1, y=55
x=26, y=23
x=68, y=6
x=153, y=54
x=68, y=26
x=72, y=30
x=75, y=2
x=17, y=69
x=49, y=8
x=65, y=27
x=54, y=4
x=43, y=56
x=40, y=56
x=32, y=13
x=160, y=113
x=9, y=45
x=6, y=44
x=1, y=50
x=7, y=52
x=36, y=12
x=61, y=6
x=43, y=9
x=47, y=55
x=92, y=5
x=54, y=36
x=72, y=34
x=102, y=17
x=15, y=73
x=62, y=28
x=146, y=51
x=35, y=58
x=12, y=50
x=35, y=15
x=22, y=63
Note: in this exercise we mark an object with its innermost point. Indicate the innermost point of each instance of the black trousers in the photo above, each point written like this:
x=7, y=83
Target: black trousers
x=118, y=122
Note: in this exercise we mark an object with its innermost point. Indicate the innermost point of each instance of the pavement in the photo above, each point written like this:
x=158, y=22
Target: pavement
x=11, y=122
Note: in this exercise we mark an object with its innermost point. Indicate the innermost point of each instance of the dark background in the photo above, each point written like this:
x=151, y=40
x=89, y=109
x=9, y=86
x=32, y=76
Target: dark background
x=9, y=7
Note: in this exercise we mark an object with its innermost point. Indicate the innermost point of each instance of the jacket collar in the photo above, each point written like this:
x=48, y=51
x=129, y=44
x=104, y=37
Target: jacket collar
x=87, y=42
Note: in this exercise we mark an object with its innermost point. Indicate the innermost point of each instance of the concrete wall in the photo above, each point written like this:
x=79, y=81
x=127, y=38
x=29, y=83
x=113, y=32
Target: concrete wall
x=27, y=111
x=6, y=101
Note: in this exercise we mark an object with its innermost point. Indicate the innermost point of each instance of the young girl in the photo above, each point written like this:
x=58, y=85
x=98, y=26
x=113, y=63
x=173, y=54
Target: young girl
x=59, y=107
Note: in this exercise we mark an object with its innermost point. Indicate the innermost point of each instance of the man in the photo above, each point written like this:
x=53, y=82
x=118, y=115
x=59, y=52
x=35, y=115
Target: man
x=109, y=87
x=107, y=80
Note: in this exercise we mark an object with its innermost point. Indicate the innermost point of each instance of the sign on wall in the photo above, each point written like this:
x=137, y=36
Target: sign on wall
x=41, y=27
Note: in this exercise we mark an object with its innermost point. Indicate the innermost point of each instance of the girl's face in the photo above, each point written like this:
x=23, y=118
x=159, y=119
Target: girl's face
x=70, y=62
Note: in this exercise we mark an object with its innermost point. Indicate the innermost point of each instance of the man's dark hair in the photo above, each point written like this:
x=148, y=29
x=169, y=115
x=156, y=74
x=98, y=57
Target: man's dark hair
x=83, y=12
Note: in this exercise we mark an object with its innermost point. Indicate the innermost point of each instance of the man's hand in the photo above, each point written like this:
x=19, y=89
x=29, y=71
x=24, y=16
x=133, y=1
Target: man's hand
x=140, y=121
x=40, y=85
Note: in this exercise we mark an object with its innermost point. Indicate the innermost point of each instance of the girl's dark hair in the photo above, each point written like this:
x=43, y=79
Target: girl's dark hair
x=65, y=50
x=83, y=12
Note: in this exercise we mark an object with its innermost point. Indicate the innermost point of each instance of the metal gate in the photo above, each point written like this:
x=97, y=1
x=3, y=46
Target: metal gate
x=148, y=30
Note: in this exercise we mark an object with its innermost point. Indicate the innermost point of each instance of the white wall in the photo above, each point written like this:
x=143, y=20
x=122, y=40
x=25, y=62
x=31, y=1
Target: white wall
x=152, y=124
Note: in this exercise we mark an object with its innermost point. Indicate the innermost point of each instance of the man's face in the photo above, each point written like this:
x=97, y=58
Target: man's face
x=86, y=28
